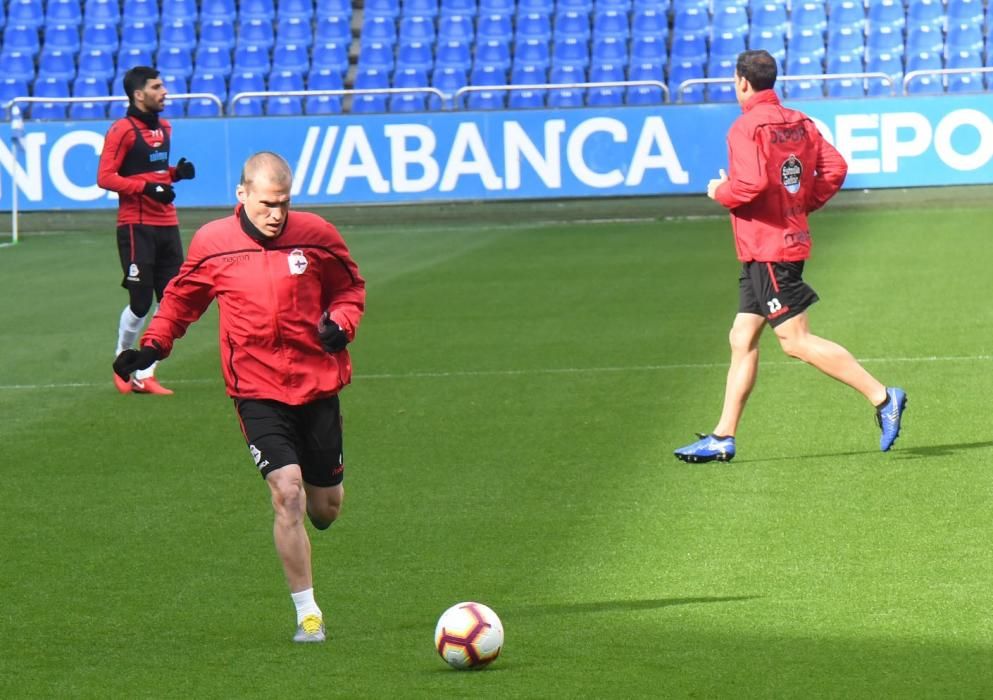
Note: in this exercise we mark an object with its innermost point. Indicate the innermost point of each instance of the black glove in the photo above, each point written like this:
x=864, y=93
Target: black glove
x=131, y=360
x=185, y=170
x=333, y=338
x=159, y=192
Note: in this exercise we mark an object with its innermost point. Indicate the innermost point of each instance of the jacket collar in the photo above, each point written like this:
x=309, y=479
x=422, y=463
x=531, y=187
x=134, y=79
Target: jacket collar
x=249, y=228
x=762, y=97
x=149, y=119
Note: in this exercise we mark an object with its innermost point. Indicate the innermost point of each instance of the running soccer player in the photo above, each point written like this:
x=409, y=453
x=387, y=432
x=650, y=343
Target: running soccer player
x=781, y=169
x=135, y=164
x=290, y=299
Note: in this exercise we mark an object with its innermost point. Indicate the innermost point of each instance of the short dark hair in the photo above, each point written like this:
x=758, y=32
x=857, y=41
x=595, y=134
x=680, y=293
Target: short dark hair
x=758, y=68
x=136, y=78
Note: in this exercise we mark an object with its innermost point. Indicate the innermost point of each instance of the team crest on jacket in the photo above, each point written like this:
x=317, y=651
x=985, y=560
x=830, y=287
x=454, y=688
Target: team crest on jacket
x=297, y=261
x=790, y=173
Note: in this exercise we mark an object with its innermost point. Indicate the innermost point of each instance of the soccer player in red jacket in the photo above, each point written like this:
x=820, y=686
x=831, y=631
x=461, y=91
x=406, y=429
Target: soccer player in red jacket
x=135, y=164
x=781, y=169
x=290, y=299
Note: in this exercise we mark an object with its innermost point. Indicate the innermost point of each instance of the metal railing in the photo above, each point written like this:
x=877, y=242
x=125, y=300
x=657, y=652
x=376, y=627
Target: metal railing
x=23, y=100
x=887, y=79
x=915, y=74
x=561, y=86
x=238, y=97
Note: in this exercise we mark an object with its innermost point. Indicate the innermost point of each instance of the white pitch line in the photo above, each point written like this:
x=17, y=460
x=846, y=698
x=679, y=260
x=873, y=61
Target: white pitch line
x=524, y=372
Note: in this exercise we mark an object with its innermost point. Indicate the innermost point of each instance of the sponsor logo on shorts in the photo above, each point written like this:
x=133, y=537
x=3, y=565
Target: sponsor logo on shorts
x=257, y=456
x=791, y=172
x=133, y=275
x=297, y=261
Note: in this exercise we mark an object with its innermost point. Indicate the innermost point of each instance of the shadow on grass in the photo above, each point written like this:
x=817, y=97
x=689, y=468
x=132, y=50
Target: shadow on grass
x=619, y=605
x=897, y=452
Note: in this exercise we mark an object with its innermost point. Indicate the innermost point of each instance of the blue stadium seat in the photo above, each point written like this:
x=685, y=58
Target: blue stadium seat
x=89, y=87
x=180, y=9
x=886, y=13
x=585, y=6
x=691, y=20
x=218, y=32
x=218, y=9
x=571, y=25
x=846, y=88
x=417, y=55
x=21, y=37
x=499, y=7
x=419, y=8
x=606, y=96
x=570, y=52
x=212, y=83
x=678, y=74
x=11, y=88
x=331, y=55
x=921, y=13
x=335, y=8
x=532, y=52
x=51, y=62
x=49, y=87
x=379, y=30
x=804, y=89
x=370, y=79
x=567, y=97
x=926, y=85
x=175, y=85
x=487, y=100
x=923, y=60
x=324, y=79
x=456, y=28
x=180, y=33
x=803, y=65
x=29, y=13
x=847, y=13
x=57, y=12
x=649, y=23
x=453, y=54
x=256, y=9
x=542, y=7
x=622, y=6
x=291, y=57
x=846, y=41
x=294, y=30
x=295, y=9
x=285, y=105
x=409, y=101
x=771, y=16
x=720, y=5
x=62, y=36
x=965, y=82
x=381, y=8
x=256, y=32
x=417, y=28
x=101, y=12
x=964, y=37
x=138, y=11
x=882, y=62
x=689, y=46
x=251, y=59
x=527, y=99
x=611, y=49
x=487, y=75
x=170, y=59
x=727, y=45
x=645, y=94
x=925, y=38
x=661, y=6
x=732, y=20
x=141, y=34
x=247, y=81
x=494, y=26
x=448, y=80
x=100, y=36
x=845, y=63
x=336, y=29
x=534, y=25
x=768, y=40
x=648, y=49
x=611, y=24
x=130, y=56
x=965, y=12
x=458, y=7
x=721, y=67
x=213, y=59
x=809, y=15
x=807, y=42
x=884, y=39
x=376, y=55
x=493, y=53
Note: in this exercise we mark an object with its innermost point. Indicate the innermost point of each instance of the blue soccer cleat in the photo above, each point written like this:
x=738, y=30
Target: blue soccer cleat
x=709, y=448
x=888, y=417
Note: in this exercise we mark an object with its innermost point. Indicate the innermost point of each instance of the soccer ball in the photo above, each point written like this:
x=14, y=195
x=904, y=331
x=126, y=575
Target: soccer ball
x=468, y=635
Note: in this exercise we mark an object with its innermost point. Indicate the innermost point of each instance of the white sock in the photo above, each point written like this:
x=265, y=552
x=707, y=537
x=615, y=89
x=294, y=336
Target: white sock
x=143, y=374
x=306, y=605
x=127, y=330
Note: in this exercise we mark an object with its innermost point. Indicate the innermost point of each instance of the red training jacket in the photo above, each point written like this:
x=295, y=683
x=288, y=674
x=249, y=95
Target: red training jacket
x=271, y=295
x=780, y=169
x=126, y=164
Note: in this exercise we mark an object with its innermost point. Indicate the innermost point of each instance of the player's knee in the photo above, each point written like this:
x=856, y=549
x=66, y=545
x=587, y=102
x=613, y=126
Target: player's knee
x=322, y=520
x=792, y=346
x=288, y=499
x=739, y=340
x=325, y=508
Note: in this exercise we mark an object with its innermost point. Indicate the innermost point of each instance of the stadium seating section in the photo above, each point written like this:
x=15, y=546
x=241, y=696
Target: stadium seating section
x=82, y=48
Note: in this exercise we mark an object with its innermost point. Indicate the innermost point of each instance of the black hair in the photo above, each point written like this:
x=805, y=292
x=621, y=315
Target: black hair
x=758, y=68
x=136, y=78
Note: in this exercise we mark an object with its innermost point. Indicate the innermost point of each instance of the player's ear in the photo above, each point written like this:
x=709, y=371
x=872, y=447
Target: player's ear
x=241, y=194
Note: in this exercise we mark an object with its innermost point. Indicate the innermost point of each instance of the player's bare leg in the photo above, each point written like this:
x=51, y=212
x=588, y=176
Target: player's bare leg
x=830, y=358
x=744, y=339
x=324, y=504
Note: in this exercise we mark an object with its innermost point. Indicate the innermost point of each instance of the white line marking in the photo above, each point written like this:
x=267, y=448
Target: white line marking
x=521, y=372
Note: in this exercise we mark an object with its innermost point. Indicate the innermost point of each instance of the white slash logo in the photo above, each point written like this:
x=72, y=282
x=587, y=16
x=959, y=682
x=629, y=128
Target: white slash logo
x=298, y=262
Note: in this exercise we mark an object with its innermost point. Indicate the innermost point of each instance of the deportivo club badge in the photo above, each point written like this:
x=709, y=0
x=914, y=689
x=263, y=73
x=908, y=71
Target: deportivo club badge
x=791, y=172
x=297, y=261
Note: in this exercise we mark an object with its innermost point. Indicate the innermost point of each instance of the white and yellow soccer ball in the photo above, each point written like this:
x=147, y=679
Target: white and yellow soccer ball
x=468, y=636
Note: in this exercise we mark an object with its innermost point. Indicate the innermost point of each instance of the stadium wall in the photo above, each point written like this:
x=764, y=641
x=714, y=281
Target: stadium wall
x=535, y=154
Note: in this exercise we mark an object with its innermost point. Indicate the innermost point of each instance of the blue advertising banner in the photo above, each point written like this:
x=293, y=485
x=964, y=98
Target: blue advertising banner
x=448, y=156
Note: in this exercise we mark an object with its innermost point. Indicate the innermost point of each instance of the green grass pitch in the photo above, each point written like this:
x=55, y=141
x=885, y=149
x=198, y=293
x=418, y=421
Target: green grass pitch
x=523, y=374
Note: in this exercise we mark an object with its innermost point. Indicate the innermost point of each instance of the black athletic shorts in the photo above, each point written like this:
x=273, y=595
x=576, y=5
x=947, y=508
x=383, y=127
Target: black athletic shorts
x=150, y=255
x=309, y=435
x=774, y=290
